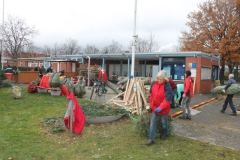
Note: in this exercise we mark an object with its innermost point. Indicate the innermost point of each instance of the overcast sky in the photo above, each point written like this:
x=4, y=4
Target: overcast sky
x=101, y=21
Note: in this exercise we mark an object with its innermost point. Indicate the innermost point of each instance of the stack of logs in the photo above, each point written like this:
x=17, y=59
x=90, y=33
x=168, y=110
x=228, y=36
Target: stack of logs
x=134, y=97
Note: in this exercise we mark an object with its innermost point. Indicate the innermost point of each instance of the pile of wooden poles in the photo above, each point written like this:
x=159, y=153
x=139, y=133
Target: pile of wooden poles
x=134, y=97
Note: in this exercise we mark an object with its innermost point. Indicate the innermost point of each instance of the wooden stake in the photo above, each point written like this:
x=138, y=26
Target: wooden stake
x=126, y=88
x=143, y=96
x=129, y=90
x=117, y=96
x=71, y=116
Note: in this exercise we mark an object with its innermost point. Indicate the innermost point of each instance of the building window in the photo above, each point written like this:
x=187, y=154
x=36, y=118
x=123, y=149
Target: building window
x=175, y=67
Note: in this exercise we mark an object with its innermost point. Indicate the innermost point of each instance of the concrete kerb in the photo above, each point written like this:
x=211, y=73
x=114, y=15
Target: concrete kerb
x=193, y=107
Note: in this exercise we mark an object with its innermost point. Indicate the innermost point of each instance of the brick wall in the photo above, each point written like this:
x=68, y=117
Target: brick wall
x=201, y=86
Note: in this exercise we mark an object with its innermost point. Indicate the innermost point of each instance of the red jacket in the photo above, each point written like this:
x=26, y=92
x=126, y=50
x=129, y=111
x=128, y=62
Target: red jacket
x=102, y=75
x=161, y=97
x=172, y=83
x=188, y=86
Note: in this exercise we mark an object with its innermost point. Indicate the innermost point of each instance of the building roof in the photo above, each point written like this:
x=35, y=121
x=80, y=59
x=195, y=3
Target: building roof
x=124, y=56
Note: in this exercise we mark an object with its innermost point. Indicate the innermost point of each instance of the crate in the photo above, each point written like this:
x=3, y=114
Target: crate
x=42, y=90
x=55, y=92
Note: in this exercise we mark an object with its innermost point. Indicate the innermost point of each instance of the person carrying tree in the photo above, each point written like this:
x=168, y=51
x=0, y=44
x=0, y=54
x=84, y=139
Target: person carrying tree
x=229, y=97
x=160, y=101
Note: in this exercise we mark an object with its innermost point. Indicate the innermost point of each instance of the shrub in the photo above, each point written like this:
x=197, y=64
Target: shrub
x=143, y=124
x=6, y=83
x=2, y=77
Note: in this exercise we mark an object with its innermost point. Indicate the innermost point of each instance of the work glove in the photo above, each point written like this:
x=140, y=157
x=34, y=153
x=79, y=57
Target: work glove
x=158, y=110
x=224, y=91
x=184, y=95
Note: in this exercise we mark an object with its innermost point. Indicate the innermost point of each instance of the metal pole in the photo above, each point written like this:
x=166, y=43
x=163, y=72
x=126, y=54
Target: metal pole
x=134, y=41
x=88, y=70
x=1, y=59
x=1, y=54
x=3, y=12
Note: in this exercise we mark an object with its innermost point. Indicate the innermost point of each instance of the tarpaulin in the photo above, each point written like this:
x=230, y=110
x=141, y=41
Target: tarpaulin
x=32, y=87
x=44, y=83
x=78, y=115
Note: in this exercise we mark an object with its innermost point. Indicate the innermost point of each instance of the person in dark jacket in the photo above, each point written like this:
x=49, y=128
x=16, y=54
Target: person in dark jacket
x=229, y=97
x=174, y=89
x=187, y=95
x=9, y=69
x=49, y=69
x=160, y=101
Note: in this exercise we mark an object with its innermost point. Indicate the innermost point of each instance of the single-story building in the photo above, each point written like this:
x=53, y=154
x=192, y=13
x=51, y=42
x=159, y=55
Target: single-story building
x=204, y=67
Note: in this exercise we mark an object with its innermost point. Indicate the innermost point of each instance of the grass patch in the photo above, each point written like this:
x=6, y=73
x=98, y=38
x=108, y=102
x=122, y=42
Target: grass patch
x=22, y=136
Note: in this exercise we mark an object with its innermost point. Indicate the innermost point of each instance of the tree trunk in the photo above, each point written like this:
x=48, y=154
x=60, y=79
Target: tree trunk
x=236, y=78
x=113, y=87
x=222, y=74
x=230, y=68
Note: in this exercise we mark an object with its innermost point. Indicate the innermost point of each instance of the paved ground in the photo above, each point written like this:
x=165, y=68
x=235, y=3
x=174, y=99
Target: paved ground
x=209, y=125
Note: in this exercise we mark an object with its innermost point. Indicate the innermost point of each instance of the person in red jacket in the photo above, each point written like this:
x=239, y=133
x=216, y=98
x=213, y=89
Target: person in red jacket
x=102, y=75
x=174, y=89
x=160, y=101
x=187, y=95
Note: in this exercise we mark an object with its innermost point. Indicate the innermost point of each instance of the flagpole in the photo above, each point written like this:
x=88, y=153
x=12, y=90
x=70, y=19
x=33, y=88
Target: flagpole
x=134, y=41
x=1, y=58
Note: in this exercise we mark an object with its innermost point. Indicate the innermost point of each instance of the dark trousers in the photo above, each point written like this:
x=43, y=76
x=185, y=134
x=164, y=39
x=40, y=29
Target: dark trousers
x=180, y=101
x=229, y=100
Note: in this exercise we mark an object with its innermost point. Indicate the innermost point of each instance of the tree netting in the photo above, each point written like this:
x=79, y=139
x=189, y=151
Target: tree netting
x=233, y=89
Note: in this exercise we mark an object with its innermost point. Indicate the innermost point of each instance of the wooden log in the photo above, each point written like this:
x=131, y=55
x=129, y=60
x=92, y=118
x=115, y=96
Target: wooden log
x=126, y=88
x=130, y=98
x=129, y=90
x=136, y=102
x=139, y=99
x=121, y=105
x=116, y=96
x=143, y=97
x=119, y=101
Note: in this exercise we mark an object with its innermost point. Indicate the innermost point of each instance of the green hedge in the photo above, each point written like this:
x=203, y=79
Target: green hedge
x=2, y=77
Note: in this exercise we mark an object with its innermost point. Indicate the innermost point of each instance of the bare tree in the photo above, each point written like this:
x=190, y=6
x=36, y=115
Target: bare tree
x=146, y=44
x=91, y=49
x=114, y=47
x=70, y=47
x=56, y=50
x=31, y=48
x=47, y=50
x=16, y=34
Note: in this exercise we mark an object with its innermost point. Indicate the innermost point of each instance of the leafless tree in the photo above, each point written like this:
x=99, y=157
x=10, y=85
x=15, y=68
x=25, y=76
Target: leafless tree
x=91, y=49
x=146, y=44
x=114, y=47
x=70, y=47
x=31, y=48
x=46, y=50
x=56, y=50
x=16, y=34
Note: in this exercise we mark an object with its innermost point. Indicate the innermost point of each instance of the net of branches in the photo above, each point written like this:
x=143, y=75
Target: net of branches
x=143, y=124
x=233, y=89
x=55, y=124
